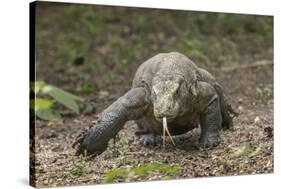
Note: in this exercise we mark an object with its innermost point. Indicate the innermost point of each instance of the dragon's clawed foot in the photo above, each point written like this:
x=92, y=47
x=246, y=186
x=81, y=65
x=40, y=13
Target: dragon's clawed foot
x=149, y=139
x=86, y=145
x=208, y=142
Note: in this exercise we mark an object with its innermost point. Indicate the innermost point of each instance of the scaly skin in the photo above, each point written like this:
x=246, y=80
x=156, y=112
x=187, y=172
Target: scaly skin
x=128, y=107
x=167, y=85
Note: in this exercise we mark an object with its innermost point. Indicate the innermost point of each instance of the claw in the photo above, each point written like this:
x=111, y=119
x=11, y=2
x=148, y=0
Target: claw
x=80, y=138
x=209, y=142
x=86, y=144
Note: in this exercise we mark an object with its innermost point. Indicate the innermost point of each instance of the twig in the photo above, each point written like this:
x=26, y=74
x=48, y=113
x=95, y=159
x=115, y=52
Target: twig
x=256, y=64
x=135, y=153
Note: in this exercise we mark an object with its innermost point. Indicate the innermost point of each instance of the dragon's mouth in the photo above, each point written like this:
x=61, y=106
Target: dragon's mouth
x=169, y=119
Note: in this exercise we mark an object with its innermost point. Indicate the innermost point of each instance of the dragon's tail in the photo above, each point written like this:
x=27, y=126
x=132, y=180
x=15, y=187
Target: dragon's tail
x=226, y=109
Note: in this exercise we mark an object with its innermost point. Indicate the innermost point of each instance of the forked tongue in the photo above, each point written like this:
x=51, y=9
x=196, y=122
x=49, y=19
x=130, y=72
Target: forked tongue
x=165, y=129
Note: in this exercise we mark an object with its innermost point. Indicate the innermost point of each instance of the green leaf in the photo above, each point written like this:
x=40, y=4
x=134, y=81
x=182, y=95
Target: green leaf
x=50, y=88
x=65, y=98
x=48, y=115
x=241, y=150
x=255, y=152
x=37, y=86
x=115, y=173
x=40, y=104
x=149, y=168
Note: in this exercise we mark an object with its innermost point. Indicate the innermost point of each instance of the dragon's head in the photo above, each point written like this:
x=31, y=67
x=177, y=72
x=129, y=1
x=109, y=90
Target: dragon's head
x=169, y=95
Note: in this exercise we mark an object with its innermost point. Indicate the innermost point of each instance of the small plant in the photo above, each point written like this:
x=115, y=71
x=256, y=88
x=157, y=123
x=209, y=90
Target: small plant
x=244, y=156
x=264, y=90
x=79, y=167
x=248, y=150
x=103, y=94
x=46, y=96
x=142, y=170
x=86, y=89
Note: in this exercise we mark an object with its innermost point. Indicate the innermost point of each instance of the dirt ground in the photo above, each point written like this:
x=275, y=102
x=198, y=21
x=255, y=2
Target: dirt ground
x=247, y=149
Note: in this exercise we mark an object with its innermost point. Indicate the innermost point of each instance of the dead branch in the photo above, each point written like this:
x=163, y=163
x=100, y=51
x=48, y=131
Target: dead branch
x=255, y=64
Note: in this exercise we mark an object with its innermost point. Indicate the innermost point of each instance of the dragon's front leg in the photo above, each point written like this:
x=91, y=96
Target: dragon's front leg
x=130, y=106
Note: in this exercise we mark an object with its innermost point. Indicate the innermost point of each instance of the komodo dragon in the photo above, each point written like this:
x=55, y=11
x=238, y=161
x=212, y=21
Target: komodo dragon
x=170, y=86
